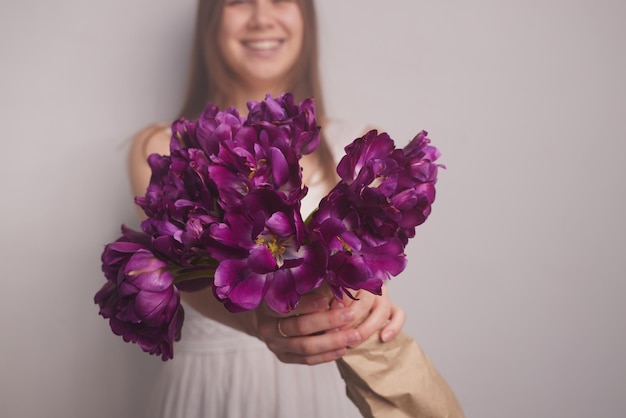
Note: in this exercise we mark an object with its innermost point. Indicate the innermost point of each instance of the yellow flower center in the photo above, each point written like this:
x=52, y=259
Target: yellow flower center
x=277, y=249
x=375, y=184
x=253, y=170
x=344, y=244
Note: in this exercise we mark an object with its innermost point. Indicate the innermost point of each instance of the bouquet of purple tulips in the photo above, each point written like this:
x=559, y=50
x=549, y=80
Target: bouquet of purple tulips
x=223, y=210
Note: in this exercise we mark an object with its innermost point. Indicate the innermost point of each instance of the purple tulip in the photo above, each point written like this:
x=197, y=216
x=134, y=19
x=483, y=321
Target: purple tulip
x=393, y=189
x=181, y=202
x=358, y=258
x=139, y=297
x=262, y=257
x=297, y=122
x=249, y=163
x=416, y=186
x=367, y=219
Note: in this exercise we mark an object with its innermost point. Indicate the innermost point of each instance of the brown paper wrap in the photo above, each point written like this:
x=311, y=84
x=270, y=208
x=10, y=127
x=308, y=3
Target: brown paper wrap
x=396, y=379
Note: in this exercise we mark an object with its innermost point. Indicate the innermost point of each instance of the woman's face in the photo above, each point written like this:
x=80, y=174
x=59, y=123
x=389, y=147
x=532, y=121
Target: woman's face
x=261, y=40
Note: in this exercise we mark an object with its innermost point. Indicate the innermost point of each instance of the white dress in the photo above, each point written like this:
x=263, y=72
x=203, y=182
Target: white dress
x=218, y=372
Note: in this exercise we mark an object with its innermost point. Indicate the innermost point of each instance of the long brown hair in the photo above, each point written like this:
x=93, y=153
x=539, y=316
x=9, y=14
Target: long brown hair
x=209, y=80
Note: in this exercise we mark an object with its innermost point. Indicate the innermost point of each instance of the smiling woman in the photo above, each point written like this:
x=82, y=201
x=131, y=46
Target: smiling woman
x=235, y=365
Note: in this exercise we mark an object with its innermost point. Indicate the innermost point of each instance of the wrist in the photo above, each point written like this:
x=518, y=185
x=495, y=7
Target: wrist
x=248, y=322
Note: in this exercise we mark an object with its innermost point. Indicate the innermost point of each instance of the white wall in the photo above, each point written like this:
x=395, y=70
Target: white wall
x=515, y=285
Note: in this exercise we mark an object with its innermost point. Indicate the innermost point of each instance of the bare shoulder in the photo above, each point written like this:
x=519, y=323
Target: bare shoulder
x=154, y=139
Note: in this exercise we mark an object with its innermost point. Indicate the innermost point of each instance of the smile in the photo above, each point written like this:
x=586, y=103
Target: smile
x=263, y=45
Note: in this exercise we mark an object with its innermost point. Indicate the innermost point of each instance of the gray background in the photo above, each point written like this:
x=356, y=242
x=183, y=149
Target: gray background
x=515, y=285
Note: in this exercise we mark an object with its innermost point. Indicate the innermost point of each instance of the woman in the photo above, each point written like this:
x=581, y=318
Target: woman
x=243, y=50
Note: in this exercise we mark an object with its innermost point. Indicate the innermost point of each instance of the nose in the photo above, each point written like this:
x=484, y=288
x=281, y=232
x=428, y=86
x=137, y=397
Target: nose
x=262, y=14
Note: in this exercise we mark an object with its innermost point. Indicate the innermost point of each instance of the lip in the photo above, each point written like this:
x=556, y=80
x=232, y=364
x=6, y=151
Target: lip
x=263, y=45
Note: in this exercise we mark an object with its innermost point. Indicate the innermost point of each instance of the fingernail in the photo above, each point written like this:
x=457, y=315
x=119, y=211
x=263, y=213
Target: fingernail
x=347, y=316
x=340, y=305
x=353, y=337
x=318, y=303
x=340, y=353
x=386, y=335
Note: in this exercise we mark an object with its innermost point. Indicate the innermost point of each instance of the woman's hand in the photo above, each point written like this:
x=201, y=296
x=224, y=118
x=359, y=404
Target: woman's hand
x=313, y=333
x=374, y=313
x=319, y=330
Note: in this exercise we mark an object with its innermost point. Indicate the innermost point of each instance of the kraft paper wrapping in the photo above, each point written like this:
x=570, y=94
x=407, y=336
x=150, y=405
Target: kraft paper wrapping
x=396, y=380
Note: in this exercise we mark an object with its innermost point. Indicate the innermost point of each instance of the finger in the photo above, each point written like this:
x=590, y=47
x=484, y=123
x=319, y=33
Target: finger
x=395, y=324
x=361, y=306
x=317, y=322
x=377, y=319
x=307, y=304
x=314, y=345
x=310, y=303
x=346, y=300
x=270, y=327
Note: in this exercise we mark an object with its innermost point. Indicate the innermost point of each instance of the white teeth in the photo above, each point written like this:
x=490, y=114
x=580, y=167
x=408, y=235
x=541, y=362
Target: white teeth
x=263, y=45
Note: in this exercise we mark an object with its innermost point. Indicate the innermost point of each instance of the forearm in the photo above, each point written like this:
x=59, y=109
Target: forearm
x=307, y=326
x=206, y=304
